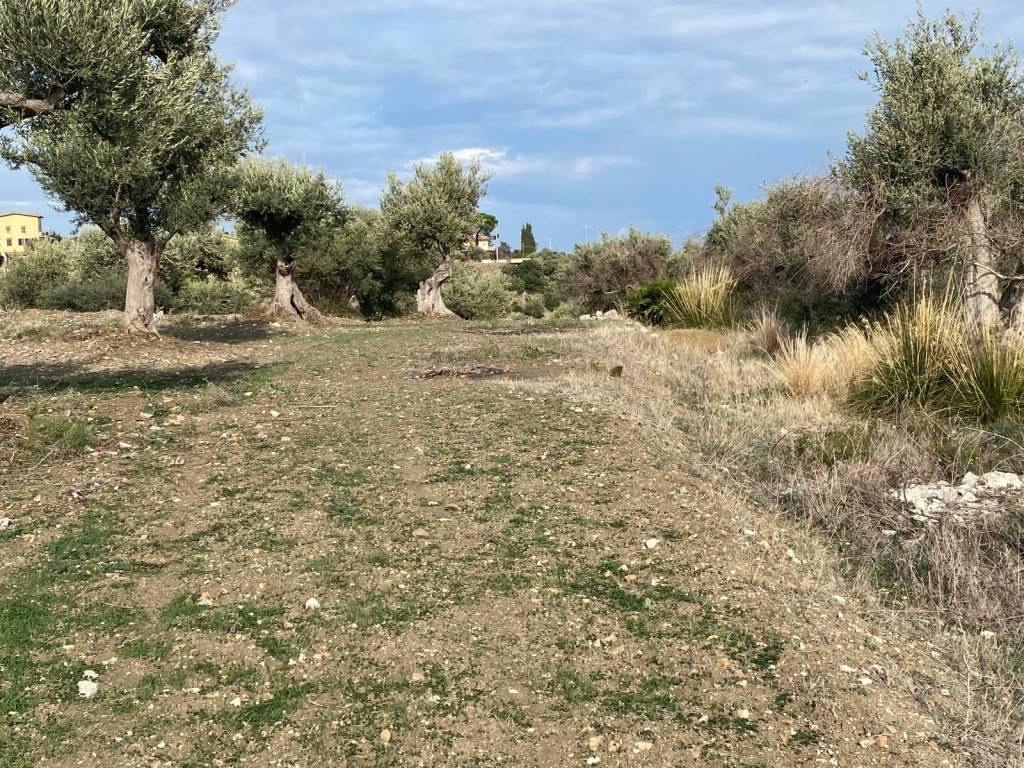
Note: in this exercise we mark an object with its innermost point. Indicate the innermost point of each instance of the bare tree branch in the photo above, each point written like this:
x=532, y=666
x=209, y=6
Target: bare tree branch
x=25, y=107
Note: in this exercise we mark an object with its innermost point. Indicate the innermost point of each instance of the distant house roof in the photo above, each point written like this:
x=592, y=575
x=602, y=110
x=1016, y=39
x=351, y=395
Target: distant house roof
x=19, y=213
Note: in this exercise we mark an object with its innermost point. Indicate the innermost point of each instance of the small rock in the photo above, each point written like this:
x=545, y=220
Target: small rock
x=90, y=675
x=882, y=742
x=5, y=523
x=236, y=702
x=652, y=543
x=988, y=635
x=205, y=600
x=87, y=689
x=385, y=736
x=312, y=604
x=595, y=742
x=420, y=533
x=642, y=746
x=1002, y=481
x=742, y=714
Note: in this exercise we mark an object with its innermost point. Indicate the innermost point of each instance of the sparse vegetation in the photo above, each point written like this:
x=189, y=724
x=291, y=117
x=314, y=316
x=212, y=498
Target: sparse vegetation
x=775, y=511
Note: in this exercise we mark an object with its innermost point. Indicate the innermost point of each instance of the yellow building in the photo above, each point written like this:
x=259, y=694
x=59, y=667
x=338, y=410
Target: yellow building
x=16, y=229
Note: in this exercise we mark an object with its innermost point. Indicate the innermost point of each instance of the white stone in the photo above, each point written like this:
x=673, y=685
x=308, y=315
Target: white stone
x=312, y=604
x=1002, y=480
x=87, y=689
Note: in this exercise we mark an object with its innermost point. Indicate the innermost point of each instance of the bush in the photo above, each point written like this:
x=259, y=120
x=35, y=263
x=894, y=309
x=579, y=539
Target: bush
x=806, y=248
x=91, y=255
x=92, y=296
x=602, y=273
x=476, y=294
x=215, y=297
x=528, y=277
x=98, y=295
x=702, y=300
x=199, y=256
x=534, y=308
x=32, y=274
x=647, y=302
x=825, y=367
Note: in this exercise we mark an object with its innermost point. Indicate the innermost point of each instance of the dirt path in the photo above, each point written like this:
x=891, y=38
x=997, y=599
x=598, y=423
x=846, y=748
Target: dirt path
x=504, y=576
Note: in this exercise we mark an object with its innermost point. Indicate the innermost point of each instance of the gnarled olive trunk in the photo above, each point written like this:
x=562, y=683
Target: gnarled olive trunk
x=982, y=288
x=288, y=301
x=139, y=303
x=429, y=300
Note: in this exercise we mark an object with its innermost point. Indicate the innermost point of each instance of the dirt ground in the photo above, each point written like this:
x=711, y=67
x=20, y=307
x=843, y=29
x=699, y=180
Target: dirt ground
x=404, y=545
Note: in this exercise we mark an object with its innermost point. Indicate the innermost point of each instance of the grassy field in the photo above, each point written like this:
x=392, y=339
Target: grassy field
x=516, y=559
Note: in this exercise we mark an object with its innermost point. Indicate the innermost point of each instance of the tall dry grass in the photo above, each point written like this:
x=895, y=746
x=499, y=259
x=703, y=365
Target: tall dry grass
x=825, y=367
x=923, y=358
x=703, y=299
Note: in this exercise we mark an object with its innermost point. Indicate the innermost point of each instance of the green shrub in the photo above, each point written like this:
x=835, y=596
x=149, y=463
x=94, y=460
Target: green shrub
x=702, y=300
x=527, y=277
x=601, y=273
x=215, y=297
x=534, y=308
x=30, y=275
x=91, y=255
x=646, y=303
x=97, y=295
x=476, y=294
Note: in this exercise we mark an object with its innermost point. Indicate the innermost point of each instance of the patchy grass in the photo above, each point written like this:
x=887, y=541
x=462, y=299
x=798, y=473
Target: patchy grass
x=479, y=551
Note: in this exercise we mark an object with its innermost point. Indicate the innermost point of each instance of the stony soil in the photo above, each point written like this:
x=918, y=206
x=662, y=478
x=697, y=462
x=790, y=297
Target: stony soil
x=373, y=545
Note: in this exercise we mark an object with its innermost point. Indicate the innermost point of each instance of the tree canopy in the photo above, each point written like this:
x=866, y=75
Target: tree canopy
x=291, y=206
x=948, y=117
x=123, y=112
x=527, y=242
x=435, y=210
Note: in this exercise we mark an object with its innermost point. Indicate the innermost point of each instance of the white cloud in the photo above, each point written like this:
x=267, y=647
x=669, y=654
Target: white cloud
x=502, y=165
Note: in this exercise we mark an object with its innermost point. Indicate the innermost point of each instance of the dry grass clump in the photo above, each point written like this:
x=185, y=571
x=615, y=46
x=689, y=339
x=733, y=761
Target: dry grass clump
x=923, y=358
x=929, y=359
x=702, y=300
x=826, y=367
x=767, y=332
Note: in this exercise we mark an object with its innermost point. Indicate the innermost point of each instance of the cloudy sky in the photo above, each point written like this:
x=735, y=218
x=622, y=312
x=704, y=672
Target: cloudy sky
x=593, y=115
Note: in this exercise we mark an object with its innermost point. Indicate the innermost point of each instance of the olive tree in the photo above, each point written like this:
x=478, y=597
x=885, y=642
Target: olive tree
x=946, y=135
x=433, y=213
x=290, y=206
x=121, y=110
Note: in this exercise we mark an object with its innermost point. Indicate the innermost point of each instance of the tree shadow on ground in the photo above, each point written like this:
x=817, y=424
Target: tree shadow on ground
x=59, y=377
x=231, y=332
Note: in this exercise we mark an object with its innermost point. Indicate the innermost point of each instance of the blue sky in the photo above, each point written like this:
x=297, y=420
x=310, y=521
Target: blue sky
x=593, y=115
